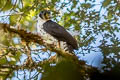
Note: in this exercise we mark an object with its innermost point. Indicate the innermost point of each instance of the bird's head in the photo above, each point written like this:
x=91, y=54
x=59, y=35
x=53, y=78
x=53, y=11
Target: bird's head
x=45, y=15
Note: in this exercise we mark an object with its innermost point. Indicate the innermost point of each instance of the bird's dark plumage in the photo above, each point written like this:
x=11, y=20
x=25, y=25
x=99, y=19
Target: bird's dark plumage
x=60, y=33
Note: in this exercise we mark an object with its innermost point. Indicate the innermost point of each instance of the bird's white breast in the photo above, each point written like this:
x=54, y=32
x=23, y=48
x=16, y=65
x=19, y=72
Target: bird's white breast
x=47, y=38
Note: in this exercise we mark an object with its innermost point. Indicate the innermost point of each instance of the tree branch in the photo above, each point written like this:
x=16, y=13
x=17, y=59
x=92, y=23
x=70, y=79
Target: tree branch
x=31, y=37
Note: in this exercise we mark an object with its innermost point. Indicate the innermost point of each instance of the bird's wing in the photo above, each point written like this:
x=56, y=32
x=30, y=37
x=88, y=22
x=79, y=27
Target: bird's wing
x=59, y=33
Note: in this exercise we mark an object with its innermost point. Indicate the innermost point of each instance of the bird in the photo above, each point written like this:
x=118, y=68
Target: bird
x=53, y=33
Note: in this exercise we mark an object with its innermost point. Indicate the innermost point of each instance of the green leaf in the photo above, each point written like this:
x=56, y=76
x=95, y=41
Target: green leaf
x=109, y=15
x=86, y=5
x=2, y=3
x=12, y=62
x=8, y=5
x=13, y=19
x=3, y=61
x=106, y=3
x=17, y=56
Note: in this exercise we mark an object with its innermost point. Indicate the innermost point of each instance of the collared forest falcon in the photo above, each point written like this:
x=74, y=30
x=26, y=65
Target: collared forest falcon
x=53, y=33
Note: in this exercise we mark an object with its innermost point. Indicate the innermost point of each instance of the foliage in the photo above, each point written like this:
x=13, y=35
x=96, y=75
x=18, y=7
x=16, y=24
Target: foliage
x=97, y=21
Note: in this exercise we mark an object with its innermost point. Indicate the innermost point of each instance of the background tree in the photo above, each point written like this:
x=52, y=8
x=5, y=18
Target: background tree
x=24, y=56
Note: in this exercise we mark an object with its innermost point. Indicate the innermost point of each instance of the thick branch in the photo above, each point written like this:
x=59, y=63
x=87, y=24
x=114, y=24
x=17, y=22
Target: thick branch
x=31, y=37
x=27, y=36
x=25, y=66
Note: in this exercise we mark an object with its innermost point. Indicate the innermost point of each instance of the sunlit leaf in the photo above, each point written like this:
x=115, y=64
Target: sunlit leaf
x=14, y=19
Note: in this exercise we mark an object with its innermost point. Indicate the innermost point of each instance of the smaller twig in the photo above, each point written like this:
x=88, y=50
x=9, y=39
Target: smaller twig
x=17, y=75
x=1, y=56
x=24, y=74
x=20, y=13
x=43, y=49
x=35, y=75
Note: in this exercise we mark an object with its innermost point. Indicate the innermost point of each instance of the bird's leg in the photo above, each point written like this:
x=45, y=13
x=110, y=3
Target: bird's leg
x=59, y=44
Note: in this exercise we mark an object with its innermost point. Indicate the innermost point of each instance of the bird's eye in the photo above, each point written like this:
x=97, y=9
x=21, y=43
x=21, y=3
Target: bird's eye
x=45, y=13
